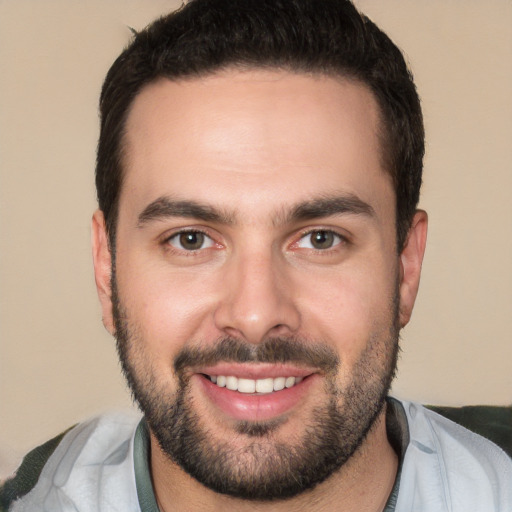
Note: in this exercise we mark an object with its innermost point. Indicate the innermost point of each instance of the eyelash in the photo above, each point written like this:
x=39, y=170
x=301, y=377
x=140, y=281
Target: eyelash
x=166, y=242
x=343, y=240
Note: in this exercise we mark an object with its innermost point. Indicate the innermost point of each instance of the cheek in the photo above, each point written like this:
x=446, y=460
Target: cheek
x=168, y=308
x=348, y=308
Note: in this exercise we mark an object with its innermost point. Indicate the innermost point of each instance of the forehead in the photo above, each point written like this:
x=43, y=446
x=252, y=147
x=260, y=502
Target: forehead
x=241, y=136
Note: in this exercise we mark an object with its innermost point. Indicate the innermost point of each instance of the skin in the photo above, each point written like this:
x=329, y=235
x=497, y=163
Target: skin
x=253, y=145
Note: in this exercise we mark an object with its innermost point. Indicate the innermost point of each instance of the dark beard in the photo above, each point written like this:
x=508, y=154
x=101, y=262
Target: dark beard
x=263, y=469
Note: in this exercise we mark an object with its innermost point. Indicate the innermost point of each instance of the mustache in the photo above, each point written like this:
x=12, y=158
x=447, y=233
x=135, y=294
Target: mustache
x=272, y=350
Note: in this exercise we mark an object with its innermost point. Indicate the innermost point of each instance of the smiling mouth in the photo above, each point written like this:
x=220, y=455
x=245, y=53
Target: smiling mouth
x=250, y=386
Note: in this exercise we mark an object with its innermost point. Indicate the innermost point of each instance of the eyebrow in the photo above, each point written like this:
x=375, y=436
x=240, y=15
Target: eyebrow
x=165, y=207
x=329, y=206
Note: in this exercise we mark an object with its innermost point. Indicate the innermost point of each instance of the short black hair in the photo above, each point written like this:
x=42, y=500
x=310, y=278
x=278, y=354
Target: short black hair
x=312, y=36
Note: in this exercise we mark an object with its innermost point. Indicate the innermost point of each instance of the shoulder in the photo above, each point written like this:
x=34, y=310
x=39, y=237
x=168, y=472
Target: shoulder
x=491, y=422
x=454, y=468
x=450, y=438
x=55, y=476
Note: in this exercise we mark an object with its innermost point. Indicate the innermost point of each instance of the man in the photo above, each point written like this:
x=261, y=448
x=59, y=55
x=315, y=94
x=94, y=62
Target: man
x=257, y=250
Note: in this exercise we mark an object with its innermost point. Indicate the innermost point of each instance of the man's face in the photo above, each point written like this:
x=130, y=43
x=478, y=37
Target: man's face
x=256, y=250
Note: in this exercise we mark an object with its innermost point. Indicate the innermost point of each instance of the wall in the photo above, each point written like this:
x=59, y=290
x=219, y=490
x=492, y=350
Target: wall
x=58, y=365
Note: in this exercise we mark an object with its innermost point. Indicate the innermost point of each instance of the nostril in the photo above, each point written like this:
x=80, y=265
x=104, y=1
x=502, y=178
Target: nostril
x=253, y=313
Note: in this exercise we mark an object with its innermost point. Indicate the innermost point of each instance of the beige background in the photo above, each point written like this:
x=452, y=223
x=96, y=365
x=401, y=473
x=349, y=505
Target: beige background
x=57, y=365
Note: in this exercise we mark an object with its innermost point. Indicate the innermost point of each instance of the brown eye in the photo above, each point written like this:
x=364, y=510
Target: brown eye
x=320, y=239
x=190, y=240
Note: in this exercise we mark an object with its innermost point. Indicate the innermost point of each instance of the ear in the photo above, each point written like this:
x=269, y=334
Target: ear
x=102, y=259
x=411, y=259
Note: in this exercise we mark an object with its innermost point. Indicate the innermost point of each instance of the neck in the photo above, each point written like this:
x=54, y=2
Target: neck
x=363, y=484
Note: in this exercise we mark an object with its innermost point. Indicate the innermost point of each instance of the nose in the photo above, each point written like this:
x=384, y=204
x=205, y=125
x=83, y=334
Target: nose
x=257, y=300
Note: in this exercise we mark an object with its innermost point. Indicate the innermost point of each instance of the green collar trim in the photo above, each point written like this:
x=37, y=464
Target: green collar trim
x=141, y=458
x=398, y=435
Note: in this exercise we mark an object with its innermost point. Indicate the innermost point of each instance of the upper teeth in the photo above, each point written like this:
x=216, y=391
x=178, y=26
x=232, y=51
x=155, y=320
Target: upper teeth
x=254, y=386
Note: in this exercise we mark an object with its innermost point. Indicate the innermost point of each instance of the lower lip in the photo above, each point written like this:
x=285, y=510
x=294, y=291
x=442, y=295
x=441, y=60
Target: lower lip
x=252, y=407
